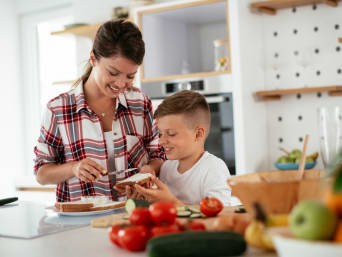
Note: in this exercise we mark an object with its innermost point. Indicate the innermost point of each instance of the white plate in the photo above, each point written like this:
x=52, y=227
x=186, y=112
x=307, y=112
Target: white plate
x=287, y=246
x=87, y=213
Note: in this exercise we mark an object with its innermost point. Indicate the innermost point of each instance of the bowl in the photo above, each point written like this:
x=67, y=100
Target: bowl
x=294, y=166
x=288, y=246
x=278, y=191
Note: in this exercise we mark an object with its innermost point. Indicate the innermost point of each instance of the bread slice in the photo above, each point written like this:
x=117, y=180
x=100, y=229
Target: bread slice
x=139, y=178
x=77, y=206
x=107, y=206
x=80, y=206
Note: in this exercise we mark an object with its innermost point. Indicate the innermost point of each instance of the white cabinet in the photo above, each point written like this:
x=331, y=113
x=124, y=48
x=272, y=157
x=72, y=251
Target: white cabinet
x=179, y=38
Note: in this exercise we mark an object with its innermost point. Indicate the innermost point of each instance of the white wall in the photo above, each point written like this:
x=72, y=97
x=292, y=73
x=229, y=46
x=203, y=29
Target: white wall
x=11, y=129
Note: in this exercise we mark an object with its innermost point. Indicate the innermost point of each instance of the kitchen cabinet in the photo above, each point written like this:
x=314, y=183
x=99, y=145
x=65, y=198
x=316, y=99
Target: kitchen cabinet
x=180, y=37
x=271, y=7
x=88, y=30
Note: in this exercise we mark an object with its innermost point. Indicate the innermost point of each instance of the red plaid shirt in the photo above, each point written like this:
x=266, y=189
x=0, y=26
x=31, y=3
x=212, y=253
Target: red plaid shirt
x=71, y=131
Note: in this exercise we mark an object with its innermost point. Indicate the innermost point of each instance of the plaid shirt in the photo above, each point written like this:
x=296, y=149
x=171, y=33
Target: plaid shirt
x=71, y=131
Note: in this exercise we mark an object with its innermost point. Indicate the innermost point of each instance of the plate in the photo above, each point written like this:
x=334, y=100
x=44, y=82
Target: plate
x=87, y=213
x=293, y=166
x=288, y=246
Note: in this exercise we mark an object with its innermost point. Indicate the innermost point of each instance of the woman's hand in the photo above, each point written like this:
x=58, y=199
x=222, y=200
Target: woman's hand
x=88, y=170
x=162, y=193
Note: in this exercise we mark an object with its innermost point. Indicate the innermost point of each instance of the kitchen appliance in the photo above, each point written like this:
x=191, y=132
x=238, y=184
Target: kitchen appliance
x=220, y=141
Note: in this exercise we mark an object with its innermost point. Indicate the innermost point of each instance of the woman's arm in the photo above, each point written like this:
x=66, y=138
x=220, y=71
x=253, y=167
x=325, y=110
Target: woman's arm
x=86, y=170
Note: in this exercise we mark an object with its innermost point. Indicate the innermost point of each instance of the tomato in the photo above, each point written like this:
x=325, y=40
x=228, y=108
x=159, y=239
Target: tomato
x=211, y=206
x=113, y=234
x=163, y=212
x=194, y=225
x=134, y=238
x=140, y=216
x=166, y=229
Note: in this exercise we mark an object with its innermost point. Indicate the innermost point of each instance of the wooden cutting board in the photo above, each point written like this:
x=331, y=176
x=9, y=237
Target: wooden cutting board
x=228, y=212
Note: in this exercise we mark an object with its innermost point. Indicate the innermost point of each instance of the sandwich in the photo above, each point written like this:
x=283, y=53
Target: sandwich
x=138, y=178
x=88, y=203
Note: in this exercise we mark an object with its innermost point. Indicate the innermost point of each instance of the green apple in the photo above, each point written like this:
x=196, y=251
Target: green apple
x=312, y=220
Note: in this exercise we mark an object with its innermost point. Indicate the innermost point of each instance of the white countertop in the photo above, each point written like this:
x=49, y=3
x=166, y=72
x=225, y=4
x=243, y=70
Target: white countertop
x=33, y=232
x=80, y=242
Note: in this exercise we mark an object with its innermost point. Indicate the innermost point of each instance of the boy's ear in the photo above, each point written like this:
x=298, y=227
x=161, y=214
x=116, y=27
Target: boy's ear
x=200, y=133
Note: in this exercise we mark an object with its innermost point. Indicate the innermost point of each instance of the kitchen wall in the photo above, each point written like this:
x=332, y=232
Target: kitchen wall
x=300, y=50
x=11, y=129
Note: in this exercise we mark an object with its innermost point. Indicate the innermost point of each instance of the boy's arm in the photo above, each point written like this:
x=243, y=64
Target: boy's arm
x=162, y=193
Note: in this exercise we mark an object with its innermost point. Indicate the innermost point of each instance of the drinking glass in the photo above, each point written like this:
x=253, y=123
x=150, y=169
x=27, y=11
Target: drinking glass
x=329, y=122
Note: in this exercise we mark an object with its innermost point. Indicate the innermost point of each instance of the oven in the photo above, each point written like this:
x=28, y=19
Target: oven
x=220, y=141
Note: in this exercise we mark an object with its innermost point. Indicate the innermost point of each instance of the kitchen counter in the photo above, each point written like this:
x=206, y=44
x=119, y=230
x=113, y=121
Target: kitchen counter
x=76, y=240
x=81, y=242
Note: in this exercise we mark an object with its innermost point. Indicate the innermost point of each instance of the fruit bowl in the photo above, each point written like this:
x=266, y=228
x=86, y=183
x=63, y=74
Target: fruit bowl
x=277, y=191
x=288, y=246
x=293, y=166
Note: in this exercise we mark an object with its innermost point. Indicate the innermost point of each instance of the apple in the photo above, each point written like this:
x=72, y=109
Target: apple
x=312, y=220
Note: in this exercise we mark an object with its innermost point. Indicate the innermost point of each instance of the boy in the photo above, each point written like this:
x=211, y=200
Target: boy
x=190, y=173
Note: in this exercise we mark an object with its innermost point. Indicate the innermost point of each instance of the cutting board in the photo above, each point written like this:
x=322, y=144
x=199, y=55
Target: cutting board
x=227, y=212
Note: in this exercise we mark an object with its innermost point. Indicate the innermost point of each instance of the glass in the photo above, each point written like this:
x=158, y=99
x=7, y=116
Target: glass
x=329, y=122
x=221, y=54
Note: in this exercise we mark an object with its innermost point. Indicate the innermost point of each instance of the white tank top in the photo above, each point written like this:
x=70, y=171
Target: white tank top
x=109, y=137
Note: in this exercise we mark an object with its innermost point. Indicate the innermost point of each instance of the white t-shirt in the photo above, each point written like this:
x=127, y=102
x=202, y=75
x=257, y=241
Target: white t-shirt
x=207, y=178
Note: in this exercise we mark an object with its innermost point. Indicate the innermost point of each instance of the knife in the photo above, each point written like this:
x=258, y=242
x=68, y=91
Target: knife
x=8, y=200
x=110, y=173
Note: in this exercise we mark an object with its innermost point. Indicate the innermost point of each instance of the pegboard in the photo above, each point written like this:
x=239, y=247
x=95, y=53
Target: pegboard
x=301, y=49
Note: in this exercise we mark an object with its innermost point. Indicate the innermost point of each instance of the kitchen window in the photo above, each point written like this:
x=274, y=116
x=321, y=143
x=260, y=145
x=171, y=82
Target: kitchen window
x=46, y=59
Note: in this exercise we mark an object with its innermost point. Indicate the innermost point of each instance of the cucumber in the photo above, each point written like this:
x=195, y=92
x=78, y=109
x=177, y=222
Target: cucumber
x=181, y=208
x=131, y=204
x=196, y=215
x=193, y=244
x=183, y=213
x=194, y=210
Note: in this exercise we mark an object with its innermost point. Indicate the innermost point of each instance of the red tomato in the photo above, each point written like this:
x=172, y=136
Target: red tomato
x=113, y=234
x=211, y=206
x=193, y=225
x=166, y=229
x=134, y=238
x=163, y=212
x=140, y=216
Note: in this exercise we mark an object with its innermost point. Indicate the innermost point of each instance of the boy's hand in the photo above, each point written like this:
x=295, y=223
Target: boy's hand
x=162, y=193
x=130, y=191
x=147, y=169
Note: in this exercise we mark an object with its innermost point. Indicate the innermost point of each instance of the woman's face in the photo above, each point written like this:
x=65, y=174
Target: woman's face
x=113, y=75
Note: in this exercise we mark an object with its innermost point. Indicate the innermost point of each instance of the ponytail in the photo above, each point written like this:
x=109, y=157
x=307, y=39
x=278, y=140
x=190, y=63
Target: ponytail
x=85, y=76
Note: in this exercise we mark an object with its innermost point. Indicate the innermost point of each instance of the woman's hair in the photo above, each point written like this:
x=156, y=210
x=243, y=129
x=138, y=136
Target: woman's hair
x=191, y=104
x=116, y=38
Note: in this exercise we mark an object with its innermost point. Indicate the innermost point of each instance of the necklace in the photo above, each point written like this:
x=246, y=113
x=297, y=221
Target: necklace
x=103, y=114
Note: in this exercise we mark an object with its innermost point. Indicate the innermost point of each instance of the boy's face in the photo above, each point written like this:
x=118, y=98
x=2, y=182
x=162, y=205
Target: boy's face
x=176, y=137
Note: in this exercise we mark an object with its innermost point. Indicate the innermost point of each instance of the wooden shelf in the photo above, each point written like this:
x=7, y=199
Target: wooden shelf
x=340, y=40
x=63, y=82
x=271, y=7
x=83, y=30
x=276, y=94
x=182, y=76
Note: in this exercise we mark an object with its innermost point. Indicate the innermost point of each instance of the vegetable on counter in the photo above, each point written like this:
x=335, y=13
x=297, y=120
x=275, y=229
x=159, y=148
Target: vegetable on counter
x=194, y=243
x=211, y=206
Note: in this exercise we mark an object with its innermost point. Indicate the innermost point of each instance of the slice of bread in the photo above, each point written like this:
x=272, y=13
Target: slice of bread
x=80, y=206
x=77, y=206
x=139, y=178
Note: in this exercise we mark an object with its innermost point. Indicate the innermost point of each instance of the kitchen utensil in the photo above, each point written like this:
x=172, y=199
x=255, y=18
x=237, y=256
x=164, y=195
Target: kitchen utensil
x=277, y=191
x=8, y=200
x=330, y=132
x=302, y=159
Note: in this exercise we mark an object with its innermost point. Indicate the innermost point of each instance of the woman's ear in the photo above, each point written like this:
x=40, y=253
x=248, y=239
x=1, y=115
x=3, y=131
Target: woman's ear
x=92, y=59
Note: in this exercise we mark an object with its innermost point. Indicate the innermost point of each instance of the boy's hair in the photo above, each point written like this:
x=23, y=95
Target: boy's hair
x=189, y=103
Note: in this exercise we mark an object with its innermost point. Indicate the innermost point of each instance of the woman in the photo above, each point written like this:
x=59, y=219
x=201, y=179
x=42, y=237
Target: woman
x=102, y=124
